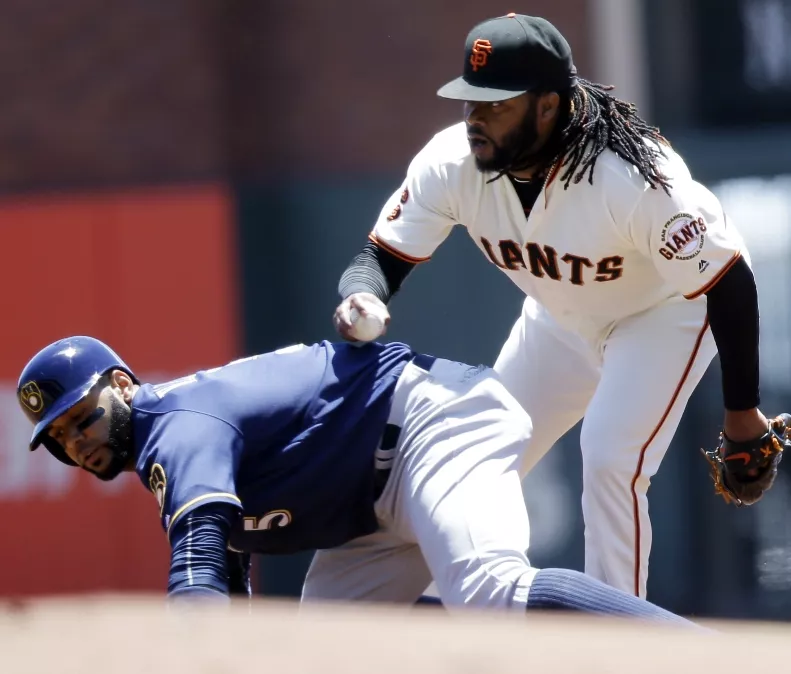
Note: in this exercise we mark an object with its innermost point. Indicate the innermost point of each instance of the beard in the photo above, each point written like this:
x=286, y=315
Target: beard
x=513, y=153
x=120, y=441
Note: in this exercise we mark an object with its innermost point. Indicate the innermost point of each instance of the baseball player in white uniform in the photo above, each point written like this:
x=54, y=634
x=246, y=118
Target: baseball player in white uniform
x=634, y=276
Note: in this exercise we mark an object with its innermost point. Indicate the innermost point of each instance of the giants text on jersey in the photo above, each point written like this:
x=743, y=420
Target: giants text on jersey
x=590, y=254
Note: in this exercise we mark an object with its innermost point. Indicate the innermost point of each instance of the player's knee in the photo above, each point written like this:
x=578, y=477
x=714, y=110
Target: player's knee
x=492, y=584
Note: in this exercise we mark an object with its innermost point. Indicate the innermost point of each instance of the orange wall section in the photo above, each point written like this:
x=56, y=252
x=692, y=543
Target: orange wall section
x=151, y=271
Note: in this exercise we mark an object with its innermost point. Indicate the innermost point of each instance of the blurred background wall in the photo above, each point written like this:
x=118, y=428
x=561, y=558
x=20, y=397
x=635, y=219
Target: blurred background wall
x=188, y=179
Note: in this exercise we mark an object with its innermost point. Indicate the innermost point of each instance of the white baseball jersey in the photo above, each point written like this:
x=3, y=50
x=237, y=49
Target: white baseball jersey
x=590, y=254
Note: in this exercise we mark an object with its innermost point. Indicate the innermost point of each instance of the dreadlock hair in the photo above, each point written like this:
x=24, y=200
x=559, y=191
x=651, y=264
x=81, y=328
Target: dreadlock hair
x=590, y=121
x=598, y=121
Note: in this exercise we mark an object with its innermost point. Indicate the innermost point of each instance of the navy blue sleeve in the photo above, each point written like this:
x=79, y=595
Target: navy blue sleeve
x=194, y=463
x=199, y=562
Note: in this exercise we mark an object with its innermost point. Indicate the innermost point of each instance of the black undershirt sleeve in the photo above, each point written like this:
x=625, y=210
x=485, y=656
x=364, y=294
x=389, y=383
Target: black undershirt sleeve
x=734, y=320
x=374, y=270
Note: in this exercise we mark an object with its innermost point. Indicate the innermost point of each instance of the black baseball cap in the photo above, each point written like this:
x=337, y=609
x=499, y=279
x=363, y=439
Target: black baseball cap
x=507, y=56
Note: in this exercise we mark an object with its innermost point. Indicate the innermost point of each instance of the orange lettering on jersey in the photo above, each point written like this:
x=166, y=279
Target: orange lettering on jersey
x=576, y=263
x=480, y=53
x=394, y=213
x=490, y=253
x=680, y=239
x=512, y=255
x=690, y=231
x=609, y=269
x=543, y=261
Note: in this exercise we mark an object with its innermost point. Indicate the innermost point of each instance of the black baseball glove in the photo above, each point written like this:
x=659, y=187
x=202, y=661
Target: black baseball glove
x=744, y=471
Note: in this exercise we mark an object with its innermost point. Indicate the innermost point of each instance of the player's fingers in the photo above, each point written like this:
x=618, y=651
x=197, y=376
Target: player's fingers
x=342, y=313
x=342, y=320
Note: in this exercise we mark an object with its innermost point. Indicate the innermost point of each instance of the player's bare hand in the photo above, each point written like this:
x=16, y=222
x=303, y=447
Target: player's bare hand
x=359, y=307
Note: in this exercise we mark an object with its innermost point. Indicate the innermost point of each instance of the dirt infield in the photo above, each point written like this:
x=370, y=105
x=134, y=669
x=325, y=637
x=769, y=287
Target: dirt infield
x=128, y=635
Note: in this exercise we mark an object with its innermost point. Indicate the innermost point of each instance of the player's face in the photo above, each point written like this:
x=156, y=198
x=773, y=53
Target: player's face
x=511, y=131
x=96, y=432
x=498, y=131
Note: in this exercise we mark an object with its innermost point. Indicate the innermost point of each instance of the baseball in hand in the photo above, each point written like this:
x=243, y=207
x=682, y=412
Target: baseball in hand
x=366, y=328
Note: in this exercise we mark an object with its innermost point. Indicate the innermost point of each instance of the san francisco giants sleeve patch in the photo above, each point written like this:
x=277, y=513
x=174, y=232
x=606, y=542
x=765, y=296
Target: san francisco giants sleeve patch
x=682, y=237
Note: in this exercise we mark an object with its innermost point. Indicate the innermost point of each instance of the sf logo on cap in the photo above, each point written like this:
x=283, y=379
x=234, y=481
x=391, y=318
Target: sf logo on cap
x=480, y=53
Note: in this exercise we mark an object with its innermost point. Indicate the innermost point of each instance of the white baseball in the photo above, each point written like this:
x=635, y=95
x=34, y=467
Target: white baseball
x=366, y=328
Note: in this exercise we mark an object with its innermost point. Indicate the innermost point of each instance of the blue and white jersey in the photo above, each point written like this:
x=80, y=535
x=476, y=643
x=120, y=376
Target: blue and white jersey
x=288, y=437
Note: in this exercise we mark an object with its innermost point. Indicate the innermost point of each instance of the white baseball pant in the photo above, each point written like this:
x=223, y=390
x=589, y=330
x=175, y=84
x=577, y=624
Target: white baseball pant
x=632, y=391
x=452, y=508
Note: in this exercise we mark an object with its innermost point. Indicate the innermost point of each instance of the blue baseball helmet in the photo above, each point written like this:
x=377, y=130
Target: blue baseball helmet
x=57, y=378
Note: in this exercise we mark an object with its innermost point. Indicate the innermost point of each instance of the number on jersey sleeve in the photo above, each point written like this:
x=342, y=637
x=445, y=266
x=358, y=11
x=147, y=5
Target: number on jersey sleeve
x=417, y=217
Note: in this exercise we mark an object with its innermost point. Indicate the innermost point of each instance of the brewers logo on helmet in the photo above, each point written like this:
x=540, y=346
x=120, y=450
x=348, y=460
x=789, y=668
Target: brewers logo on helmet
x=57, y=378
